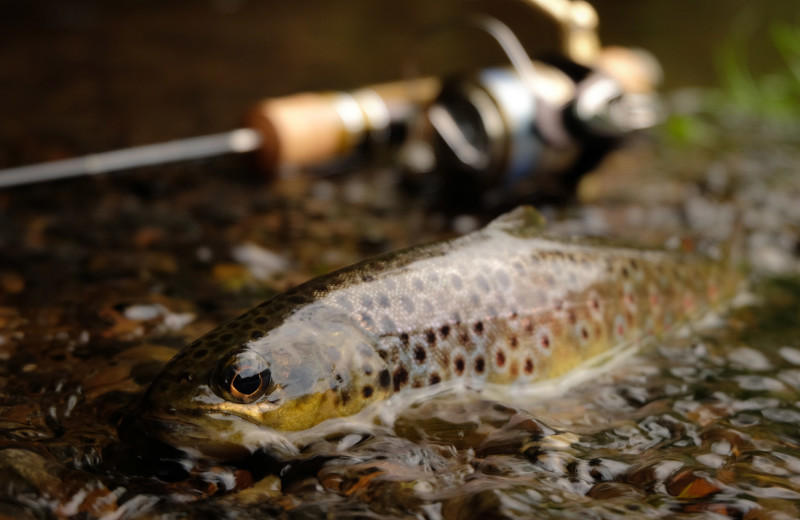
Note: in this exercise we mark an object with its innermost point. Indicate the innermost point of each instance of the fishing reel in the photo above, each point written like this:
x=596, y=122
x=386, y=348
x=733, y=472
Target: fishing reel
x=531, y=130
x=526, y=131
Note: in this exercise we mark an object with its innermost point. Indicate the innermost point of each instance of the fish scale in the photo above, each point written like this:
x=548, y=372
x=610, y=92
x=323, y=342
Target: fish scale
x=505, y=304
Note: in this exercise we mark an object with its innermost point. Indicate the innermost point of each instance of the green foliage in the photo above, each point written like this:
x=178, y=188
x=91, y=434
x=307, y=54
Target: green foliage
x=775, y=95
x=768, y=103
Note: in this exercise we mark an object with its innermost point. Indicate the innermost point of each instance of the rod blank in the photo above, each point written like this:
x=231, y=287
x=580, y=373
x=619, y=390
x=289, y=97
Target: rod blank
x=236, y=141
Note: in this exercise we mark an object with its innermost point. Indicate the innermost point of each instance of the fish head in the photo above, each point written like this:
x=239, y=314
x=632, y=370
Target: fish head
x=226, y=392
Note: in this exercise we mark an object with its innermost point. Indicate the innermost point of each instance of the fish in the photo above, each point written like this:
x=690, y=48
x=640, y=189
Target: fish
x=506, y=304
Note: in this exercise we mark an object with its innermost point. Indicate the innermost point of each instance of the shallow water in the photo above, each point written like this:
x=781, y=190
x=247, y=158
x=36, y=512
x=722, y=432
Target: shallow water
x=95, y=302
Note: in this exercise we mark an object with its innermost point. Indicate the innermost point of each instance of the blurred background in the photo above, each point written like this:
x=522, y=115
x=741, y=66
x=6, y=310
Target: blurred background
x=81, y=76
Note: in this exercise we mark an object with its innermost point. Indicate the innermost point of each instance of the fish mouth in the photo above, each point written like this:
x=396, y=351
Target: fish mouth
x=190, y=437
x=231, y=439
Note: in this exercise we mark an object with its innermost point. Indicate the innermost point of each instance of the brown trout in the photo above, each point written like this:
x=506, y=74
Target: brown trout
x=504, y=304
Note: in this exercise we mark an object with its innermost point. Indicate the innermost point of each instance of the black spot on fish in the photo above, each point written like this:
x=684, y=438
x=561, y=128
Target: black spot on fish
x=435, y=378
x=365, y=277
x=430, y=336
x=572, y=317
x=479, y=365
x=445, y=331
x=367, y=369
x=200, y=353
x=404, y=338
x=367, y=391
x=625, y=272
x=459, y=364
x=528, y=366
x=345, y=396
x=500, y=358
x=256, y=334
x=260, y=320
x=419, y=354
x=226, y=337
x=400, y=378
x=384, y=379
x=513, y=341
x=463, y=338
x=479, y=328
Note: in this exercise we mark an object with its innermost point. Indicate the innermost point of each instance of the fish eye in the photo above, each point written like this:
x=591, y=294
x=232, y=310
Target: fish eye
x=243, y=377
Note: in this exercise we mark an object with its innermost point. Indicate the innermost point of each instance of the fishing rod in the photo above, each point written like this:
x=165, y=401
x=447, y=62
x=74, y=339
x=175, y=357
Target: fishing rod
x=498, y=125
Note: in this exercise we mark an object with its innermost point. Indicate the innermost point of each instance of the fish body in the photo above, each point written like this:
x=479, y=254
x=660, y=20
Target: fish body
x=504, y=304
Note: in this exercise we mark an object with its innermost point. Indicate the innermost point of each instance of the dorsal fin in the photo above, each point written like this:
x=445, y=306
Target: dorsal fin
x=523, y=221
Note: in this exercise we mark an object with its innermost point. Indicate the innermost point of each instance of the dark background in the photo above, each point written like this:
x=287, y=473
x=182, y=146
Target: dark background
x=80, y=76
